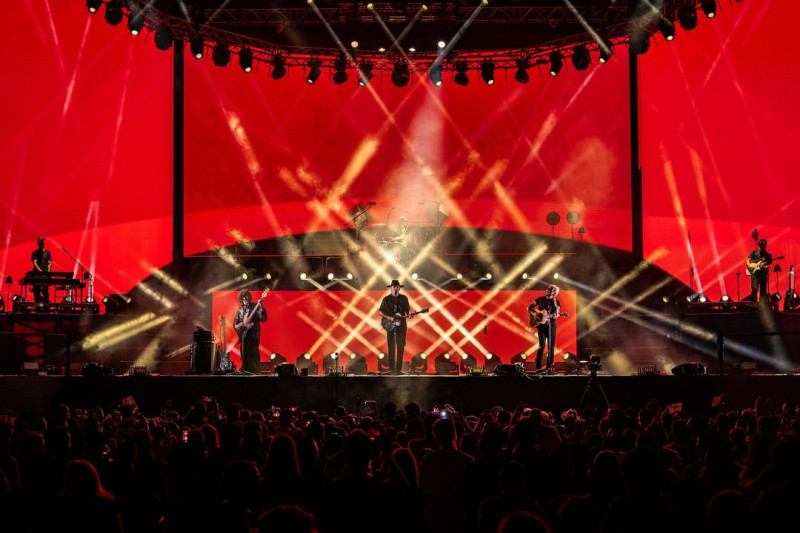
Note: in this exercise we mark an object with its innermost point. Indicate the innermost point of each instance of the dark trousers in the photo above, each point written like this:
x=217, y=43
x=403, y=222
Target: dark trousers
x=41, y=293
x=251, y=357
x=758, y=284
x=395, y=353
x=547, y=336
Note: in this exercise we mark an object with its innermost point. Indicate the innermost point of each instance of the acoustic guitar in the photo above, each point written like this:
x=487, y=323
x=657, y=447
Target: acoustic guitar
x=540, y=318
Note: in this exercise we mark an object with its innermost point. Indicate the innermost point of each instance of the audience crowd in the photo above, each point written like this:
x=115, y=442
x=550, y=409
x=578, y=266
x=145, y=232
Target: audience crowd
x=227, y=468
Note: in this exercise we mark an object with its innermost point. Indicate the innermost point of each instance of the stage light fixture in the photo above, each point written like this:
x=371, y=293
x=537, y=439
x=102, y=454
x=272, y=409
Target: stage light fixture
x=383, y=365
x=697, y=297
x=305, y=364
x=246, y=59
x=461, y=77
x=725, y=298
x=364, y=73
x=163, y=37
x=709, y=7
x=519, y=357
x=275, y=358
x=419, y=363
x=606, y=51
x=278, y=63
x=400, y=74
x=580, y=57
x=522, y=75
x=775, y=297
x=667, y=29
x=221, y=55
x=556, y=63
x=468, y=362
x=491, y=360
x=357, y=364
x=665, y=299
x=340, y=70
x=114, y=12
x=639, y=42
x=314, y=70
x=435, y=73
x=687, y=16
x=487, y=71
x=135, y=21
x=93, y=5
x=197, y=45
x=330, y=363
x=303, y=275
x=444, y=364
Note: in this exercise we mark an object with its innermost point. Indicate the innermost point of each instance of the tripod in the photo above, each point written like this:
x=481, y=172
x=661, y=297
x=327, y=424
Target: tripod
x=594, y=397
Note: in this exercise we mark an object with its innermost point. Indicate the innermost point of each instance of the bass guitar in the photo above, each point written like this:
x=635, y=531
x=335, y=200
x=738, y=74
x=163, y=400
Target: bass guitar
x=389, y=324
x=225, y=363
x=752, y=267
x=244, y=326
x=540, y=318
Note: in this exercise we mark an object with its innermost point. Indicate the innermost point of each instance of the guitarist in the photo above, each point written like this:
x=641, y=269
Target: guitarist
x=758, y=263
x=250, y=331
x=395, y=307
x=543, y=312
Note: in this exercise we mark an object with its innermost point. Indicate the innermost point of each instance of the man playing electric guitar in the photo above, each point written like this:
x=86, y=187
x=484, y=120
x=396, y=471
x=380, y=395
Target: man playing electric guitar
x=395, y=307
x=543, y=313
x=247, y=324
x=758, y=263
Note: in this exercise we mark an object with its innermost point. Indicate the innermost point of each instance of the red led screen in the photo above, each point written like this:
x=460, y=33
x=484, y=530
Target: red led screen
x=322, y=322
x=719, y=145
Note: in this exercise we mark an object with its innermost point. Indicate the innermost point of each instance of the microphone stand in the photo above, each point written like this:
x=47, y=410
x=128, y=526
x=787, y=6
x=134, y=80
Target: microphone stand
x=86, y=275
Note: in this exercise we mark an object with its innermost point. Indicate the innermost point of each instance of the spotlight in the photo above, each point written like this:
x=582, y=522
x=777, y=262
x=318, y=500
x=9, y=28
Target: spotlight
x=580, y=57
x=709, y=7
x=114, y=12
x=313, y=70
x=330, y=276
x=364, y=73
x=357, y=364
x=520, y=357
x=197, y=45
x=278, y=63
x=775, y=297
x=488, y=275
x=461, y=77
x=419, y=363
x=275, y=358
x=303, y=275
x=444, y=365
x=330, y=363
x=435, y=73
x=415, y=276
x=468, y=362
x=135, y=22
x=487, y=72
x=383, y=366
x=522, y=71
x=697, y=297
x=606, y=51
x=687, y=16
x=665, y=299
x=491, y=360
x=340, y=70
x=725, y=298
x=556, y=63
x=163, y=38
x=305, y=364
x=667, y=29
x=246, y=59
x=400, y=75
x=221, y=55
x=93, y=5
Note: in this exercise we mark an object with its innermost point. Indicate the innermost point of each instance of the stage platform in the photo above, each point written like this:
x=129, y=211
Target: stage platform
x=471, y=394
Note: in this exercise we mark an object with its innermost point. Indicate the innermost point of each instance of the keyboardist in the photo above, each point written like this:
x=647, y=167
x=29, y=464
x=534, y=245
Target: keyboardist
x=42, y=263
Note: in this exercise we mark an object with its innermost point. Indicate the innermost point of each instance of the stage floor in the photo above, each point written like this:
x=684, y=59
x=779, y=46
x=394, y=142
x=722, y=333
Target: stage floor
x=470, y=394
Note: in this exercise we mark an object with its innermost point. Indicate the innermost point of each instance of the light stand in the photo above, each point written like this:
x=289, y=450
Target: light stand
x=593, y=395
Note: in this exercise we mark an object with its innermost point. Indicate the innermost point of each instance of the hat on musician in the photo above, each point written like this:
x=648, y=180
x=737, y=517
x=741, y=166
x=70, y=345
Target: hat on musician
x=395, y=283
x=244, y=294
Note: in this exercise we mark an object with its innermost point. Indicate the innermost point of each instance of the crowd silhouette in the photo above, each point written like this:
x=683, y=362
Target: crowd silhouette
x=227, y=468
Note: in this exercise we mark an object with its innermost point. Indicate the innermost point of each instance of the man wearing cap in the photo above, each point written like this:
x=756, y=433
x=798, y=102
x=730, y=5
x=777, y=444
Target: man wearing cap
x=758, y=263
x=395, y=307
x=42, y=263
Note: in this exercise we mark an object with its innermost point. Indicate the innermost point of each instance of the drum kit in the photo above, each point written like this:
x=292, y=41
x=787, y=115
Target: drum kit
x=401, y=246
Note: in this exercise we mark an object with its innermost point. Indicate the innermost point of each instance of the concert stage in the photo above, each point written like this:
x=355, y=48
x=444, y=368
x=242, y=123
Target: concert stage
x=466, y=393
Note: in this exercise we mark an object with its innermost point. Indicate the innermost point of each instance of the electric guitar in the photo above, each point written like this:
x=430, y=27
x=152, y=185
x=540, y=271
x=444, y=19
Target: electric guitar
x=388, y=324
x=540, y=318
x=225, y=363
x=752, y=267
x=244, y=326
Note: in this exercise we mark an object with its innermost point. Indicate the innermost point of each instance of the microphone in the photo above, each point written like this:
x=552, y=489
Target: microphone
x=485, y=322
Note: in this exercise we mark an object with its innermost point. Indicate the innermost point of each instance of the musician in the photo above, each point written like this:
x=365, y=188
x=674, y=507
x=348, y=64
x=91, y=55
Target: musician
x=42, y=263
x=401, y=240
x=546, y=306
x=249, y=336
x=395, y=307
x=758, y=263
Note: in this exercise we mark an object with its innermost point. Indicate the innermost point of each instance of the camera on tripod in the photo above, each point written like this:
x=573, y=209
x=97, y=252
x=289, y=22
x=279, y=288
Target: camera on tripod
x=594, y=364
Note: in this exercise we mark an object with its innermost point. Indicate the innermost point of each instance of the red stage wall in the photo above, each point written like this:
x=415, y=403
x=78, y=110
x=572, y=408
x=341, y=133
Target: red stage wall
x=719, y=144
x=323, y=322
x=86, y=144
